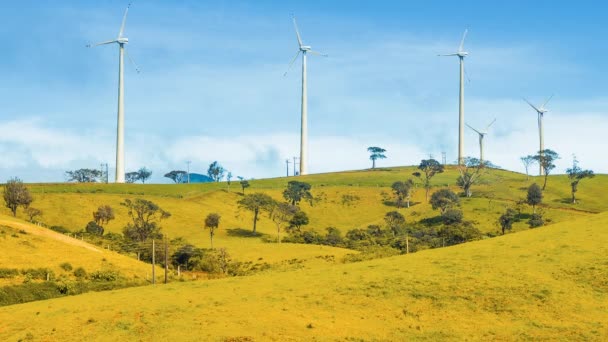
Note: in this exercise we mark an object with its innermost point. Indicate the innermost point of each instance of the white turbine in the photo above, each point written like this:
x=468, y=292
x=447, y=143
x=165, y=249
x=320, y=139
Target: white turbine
x=541, y=113
x=461, y=55
x=481, y=136
x=304, y=49
x=120, y=127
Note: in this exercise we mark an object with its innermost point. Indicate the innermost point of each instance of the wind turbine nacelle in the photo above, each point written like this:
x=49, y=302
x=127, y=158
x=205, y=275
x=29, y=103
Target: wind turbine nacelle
x=122, y=40
x=305, y=48
x=462, y=54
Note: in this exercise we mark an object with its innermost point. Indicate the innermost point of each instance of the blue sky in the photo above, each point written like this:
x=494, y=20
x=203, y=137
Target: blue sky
x=211, y=85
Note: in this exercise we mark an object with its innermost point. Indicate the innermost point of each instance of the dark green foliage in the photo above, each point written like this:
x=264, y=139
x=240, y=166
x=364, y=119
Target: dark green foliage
x=452, y=216
x=105, y=275
x=244, y=185
x=80, y=272
x=16, y=195
x=187, y=256
x=7, y=273
x=444, y=199
x=534, y=196
x=536, y=220
x=103, y=215
x=459, y=233
x=212, y=222
x=298, y=220
x=93, y=228
x=403, y=192
x=576, y=174
x=376, y=153
x=297, y=191
x=429, y=167
x=60, y=229
x=546, y=159
x=145, y=216
x=84, y=175
x=66, y=266
x=216, y=171
x=395, y=222
x=333, y=236
x=255, y=203
x=131, y=177
x=38, y=273
x=177, y=176
x=507, y=219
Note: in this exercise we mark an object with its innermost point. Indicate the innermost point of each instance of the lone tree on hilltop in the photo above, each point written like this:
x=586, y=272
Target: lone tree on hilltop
x=143, y=174
x=534, y=196
x=177, y=176
x=212, y=222
x=216, y=171
x=546, y=159
x=576, y=174
x=16, y=195
x=83, y=175
x=507, y=219
x=471, y=170
x=403, y=192
x=430, y=167
x=145, y=220
x=376, y=153
x=244, y=184
x=298, y=191
x=444, y=199
x=255, y=203
x=527, y=161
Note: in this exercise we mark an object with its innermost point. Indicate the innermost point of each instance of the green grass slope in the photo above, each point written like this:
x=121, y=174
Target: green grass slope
x=549, y=283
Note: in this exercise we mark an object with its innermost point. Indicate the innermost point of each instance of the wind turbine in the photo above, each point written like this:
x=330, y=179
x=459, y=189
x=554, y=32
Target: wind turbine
x=304, y=49
x=120, y=127
x=481, y=136
x=461, y=55
x=541, y=113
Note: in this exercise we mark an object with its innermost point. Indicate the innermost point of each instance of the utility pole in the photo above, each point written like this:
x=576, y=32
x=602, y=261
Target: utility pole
x=153, y=263
x=287, y=162
x=166, y=258
x=188, y=162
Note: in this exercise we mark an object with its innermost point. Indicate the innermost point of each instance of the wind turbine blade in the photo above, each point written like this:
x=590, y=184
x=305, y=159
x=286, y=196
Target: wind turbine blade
x=291, y=63
x=295, y=25
x=491, y=123
x=124, y=21
x=549, y=99
x=132, y=61
x=472, y=128
x=317, y=53
x=460, y=49
x=102, y=43
x=533, y=106
x=451, y=54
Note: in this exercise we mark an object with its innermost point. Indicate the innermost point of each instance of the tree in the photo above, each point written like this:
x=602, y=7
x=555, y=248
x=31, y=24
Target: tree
x=103, y=215
x=527, y=161
x=430, y=167
x=297, y=191
x=471, y=170
x=298, y=220
x=255, y=202
x=395, y=221
x=228, y=179
x=444, y=199
x=576, y=174
x=16, y=195
x=376, y=153
x=244, y=185
x=131, y=177
x=280, y=213
x=452, y=216
x=94, y=228
x=546, y=159
x=143, y=174
x=403, y=192
x=177, y=176
x=32, y=213
x=146, y=217
x=216, y=171
x=83, y=175
x=534, y=196
x=507, y=219
x=212, y=222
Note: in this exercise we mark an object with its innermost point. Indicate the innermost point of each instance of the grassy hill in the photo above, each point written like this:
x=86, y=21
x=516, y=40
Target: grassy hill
x=549, y=283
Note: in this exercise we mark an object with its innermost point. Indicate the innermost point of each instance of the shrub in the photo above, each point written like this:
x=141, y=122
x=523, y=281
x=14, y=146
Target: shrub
x=38, y=273
x=6, y=273
x=452, y=216
x=536, y=220
x=60, y=229
x=94, y=228
x=80, y=272
x=66, y=266
x=105, y=275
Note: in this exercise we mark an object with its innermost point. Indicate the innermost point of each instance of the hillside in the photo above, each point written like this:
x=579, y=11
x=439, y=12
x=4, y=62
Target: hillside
x=549, y=283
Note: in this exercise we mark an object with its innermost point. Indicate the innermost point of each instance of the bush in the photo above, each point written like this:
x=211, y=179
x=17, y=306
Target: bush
x=66, y=266
x=28, y=292
x=6, y=273
x=452, y=216
x=80, y=272
x=60, y=229
x=536, y=220
x=93, y=228
x=38, y=273
x=105, y=275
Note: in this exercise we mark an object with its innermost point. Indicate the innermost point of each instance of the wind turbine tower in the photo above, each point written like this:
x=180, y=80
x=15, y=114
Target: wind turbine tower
x=304, y=49
x=541, y=113
x=120, y=127
x=461, y=55
x=481, y=136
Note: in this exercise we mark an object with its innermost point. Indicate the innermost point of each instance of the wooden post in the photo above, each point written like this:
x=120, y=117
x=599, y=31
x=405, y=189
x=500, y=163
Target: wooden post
x=179, y=271
x=166, y=259
x=153, y=263
x=407, y=244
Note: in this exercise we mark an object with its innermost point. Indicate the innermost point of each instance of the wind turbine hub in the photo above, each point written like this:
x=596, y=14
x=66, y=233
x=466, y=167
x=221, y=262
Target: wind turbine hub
x=305, y=48
x=122, y=40
x=462, y=54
